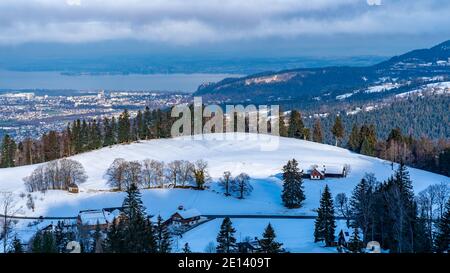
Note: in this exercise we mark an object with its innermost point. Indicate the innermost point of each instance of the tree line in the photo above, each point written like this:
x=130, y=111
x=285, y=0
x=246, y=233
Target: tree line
x=86, y=135
x=388, y=213
x=421, y=152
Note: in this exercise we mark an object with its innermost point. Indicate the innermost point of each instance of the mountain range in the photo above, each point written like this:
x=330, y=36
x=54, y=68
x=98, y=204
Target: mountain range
x=395, y=75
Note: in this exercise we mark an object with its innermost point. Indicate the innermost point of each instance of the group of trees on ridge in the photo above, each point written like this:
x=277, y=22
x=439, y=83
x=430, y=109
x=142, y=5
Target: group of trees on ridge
x=386, y=212
x=86, y=135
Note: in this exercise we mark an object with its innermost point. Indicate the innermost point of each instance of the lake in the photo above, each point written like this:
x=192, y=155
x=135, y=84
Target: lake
x=56, y=80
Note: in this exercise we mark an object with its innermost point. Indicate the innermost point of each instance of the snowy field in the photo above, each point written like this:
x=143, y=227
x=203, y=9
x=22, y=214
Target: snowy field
x=297, y=235
x=238, y=153
x=224, y=152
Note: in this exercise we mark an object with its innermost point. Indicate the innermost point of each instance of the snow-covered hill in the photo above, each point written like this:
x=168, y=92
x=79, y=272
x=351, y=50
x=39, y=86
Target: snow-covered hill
x=233, y=152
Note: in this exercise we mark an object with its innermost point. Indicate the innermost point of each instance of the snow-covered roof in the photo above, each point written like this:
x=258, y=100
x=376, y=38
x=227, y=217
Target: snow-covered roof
x=110, y=215
x=92, y=217
x=190, y=213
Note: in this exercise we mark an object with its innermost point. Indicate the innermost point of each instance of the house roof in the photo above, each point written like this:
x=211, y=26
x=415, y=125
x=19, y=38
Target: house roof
x=190, y=213
x=92, y=217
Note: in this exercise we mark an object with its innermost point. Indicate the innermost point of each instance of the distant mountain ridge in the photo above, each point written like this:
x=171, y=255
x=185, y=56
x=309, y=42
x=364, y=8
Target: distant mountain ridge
x=399, y=73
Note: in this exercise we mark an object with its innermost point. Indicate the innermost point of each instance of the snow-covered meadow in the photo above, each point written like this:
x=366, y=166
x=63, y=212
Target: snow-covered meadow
x=224, y=152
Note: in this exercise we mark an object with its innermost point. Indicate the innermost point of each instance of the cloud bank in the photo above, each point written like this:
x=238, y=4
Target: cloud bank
x=206, y=21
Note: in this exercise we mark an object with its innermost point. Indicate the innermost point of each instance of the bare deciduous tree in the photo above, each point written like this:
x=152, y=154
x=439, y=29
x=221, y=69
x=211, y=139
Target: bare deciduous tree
x=242, y=185
x=116, y=173
x=226, y=181
x=153, y=173
x=8, y=208
x=343, y=207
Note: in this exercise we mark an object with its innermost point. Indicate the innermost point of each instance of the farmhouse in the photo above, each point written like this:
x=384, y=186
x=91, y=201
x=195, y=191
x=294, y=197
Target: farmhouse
x=89, y=219
x=73, y=188
x=320, y=173
x=184, y=218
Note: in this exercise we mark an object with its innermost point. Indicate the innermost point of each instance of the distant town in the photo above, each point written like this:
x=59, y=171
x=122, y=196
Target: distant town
x=29, y=114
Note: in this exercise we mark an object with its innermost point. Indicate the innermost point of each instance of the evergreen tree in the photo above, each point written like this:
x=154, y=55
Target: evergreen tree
x=354, y=141
x=108, y=133
x=226, y=242
x=36, y=244
x=268, y=243
x=317, y=132
x=16, y=245
x=338, y=129
x=115, y=242
x=361, y=204
x=84, y=140
x=48, y=242
x=124, y=127
x=296, y=126
x=282, y=125
x=8, y=152
x=354, y=245
x=186, y=248
x=135, y=226
x=442, y=241
x=163, y=240
x=325, y=222
x=292, y=194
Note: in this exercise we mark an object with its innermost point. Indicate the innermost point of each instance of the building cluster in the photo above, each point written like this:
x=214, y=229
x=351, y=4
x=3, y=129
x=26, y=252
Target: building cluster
x=29, y=114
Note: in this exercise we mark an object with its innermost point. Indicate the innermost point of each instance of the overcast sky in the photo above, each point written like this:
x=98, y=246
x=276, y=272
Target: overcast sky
x=381, y=27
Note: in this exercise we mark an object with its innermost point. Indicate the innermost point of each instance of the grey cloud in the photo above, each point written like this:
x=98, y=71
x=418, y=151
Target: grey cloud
x=197, y=21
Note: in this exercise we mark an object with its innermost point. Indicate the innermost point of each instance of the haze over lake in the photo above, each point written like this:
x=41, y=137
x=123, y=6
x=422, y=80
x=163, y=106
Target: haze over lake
x=156, y=82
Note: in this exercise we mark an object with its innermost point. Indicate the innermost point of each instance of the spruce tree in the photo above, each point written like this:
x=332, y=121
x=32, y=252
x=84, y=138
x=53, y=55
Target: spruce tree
x=16, y=245
x=354, y=142
x=292, y=194
x=135, y=225
x=115, y=242
x=7, y=152
x=124, y=127
x=268, y=243
x=48, y=242
x=354, y=245
x=442, y=240
x=296, y=126
x=226, y=242
x=282, y=125
x=325, y=223
x=317, y=132
x=338, y=129
x=186, y=248
x=163, y=239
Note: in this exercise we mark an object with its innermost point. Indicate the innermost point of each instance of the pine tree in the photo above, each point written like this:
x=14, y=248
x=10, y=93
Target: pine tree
x=361, y=204
x=115, y=242
x=268, y=243
x=325, y=222
x=317, y=132
x=7, y=152
x=186, y=248
x=442, y=241
x=48, y=242
x=135, y=225
x=354, y=245
x=354, y=141
x=16, y=246
x=108, y=133
x=338, y=129
x=163, y=240
x=124, y=127
x=296, y=126
x=226, y=242
x=282, y=125
x=292, y=194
